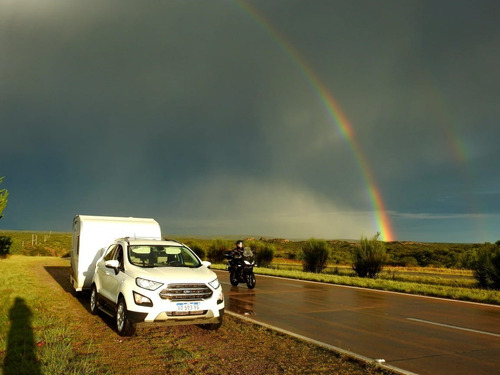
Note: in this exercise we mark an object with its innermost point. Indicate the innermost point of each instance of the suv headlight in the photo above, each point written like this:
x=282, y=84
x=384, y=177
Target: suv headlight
x=147, y=284
x=214, y=283
x=141, y=300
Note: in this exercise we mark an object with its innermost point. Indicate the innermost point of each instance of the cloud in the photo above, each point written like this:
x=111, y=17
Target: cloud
x=195, y=111
x=441, y=216
x=224, y=205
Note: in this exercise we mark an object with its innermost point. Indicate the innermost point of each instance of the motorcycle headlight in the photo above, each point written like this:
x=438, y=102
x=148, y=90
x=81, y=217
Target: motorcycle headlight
x=214, y=283
x=147, y=284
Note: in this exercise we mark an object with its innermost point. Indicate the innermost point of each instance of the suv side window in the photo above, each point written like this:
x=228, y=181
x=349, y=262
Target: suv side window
x=119, y=256
x=110, y=253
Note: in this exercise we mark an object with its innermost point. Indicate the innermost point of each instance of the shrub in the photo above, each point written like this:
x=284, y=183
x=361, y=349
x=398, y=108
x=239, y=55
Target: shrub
x=197, y=248
x=217, y=249
x=315, y=255
x=38, y=250
x=369, y=257
x=264, y=255
x=407, y=261
x=467, y=259
x=487, y=267
x=5, y=243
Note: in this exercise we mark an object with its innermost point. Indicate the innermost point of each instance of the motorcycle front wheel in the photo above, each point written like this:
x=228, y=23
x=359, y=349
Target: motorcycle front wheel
x=233, y=278
x=251, y=281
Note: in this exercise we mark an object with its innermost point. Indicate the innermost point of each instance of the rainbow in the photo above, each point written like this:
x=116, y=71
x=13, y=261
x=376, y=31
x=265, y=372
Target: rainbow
x=455, y=146
x=333, y=109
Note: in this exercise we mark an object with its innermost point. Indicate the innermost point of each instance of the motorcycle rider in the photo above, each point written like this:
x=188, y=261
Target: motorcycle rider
x=241, y=265
x=239, y=248
x=237, y=254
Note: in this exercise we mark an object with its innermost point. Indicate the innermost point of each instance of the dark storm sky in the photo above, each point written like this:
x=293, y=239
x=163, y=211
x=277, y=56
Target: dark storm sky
x=197, y=114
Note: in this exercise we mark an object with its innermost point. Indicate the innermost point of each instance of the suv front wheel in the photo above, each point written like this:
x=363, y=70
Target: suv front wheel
x=94, y=300
x=124, y=326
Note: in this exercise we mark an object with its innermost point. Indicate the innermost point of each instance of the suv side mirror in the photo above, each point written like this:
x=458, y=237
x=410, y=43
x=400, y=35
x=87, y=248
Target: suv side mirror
x=114, y=264
x=206, y=263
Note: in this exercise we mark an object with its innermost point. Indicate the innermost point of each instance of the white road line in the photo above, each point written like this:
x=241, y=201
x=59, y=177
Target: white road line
x=454, y=327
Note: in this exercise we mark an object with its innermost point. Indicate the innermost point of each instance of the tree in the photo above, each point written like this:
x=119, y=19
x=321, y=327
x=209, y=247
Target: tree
x=3, y=198
x=5, y=241
x=369, y=257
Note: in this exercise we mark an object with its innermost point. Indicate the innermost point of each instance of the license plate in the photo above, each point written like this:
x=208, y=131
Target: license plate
x=188, y=306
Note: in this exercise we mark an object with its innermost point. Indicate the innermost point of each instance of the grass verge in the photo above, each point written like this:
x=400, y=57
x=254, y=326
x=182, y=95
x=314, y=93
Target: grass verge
x=36, y=331
x=45, y=329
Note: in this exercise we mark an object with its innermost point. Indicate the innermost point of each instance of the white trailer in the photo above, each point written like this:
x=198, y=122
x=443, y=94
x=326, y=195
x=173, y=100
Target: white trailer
x=91, y=236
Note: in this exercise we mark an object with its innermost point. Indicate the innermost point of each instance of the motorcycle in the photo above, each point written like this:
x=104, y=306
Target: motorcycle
x=240, y=267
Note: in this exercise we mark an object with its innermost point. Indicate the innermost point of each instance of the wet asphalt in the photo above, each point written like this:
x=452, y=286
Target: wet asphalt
x=412, y=333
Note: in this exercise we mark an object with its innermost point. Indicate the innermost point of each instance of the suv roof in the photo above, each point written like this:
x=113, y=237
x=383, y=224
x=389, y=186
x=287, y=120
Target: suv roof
x=148, y=241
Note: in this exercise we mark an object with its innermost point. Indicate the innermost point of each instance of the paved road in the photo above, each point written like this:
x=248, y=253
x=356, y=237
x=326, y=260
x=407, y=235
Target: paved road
x=415, y=334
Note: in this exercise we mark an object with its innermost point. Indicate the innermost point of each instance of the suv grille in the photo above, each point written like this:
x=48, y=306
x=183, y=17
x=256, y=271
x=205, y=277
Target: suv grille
x=186, y=292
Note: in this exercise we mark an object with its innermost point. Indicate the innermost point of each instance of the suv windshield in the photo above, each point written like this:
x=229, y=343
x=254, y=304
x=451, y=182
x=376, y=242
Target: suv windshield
x=162, y=256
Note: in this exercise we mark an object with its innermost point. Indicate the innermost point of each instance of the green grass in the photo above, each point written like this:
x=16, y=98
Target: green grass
x=34, y=337
x=431, y=276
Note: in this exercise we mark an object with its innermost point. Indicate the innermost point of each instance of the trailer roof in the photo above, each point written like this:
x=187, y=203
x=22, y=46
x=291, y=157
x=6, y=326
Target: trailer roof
x=113, y=218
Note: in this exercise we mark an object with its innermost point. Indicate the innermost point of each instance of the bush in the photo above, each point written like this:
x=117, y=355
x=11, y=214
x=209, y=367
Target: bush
x=487, y=267
x=5, y=243
x=369, y=257
x=216, y=250
x=197, y=248
x=467, y=259
x=264, y=255
x=407, y=261
x=315, y=255
x=38, y=250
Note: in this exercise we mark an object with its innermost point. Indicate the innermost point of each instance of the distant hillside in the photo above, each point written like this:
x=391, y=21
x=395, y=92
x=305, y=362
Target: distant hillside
x=401, y=253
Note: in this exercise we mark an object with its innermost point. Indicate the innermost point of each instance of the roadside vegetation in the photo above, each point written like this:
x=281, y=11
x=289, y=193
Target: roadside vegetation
x=5, y=241
x=45, y=329
x=467, y=272
x=36, y=330
x=3, y=198
x=315, y=255
x=369, y=257
x=487, y=268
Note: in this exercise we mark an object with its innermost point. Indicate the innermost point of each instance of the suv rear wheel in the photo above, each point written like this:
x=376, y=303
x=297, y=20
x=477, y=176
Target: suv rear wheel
x=124, y=326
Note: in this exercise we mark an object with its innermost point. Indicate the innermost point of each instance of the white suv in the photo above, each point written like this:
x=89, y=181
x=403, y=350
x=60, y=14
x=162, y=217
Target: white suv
x=154, y=281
